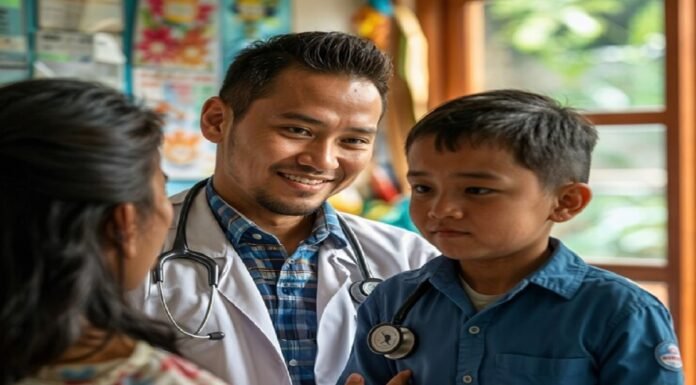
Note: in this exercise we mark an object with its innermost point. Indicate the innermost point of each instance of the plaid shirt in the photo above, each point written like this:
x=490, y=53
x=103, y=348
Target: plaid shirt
x=288, y=285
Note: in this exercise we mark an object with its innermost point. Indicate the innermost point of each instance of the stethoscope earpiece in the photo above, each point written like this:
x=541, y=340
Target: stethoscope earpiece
x=392, y=341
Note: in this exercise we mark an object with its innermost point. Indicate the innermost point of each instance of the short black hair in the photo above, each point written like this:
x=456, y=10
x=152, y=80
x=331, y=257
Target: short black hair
x=553, y=141
x=255, y=67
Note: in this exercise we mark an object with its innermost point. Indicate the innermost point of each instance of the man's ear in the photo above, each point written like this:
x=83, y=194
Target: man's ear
x=125, y=228
x=215, y=116
x=571, y=200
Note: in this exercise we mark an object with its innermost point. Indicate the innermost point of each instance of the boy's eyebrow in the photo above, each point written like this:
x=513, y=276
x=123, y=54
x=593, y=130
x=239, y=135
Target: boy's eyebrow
x=316, y=122
x=469, y=174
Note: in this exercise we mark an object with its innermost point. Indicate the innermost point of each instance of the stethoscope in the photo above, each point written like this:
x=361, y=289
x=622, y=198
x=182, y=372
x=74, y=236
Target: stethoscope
x=392, y=339
x=359, y=290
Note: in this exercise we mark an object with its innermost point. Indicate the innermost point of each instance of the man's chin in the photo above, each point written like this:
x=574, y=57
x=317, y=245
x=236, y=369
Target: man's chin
x=293, y=209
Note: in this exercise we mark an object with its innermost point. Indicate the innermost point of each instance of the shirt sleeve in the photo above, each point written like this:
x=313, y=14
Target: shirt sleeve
x=375, y=368
x=642, y=348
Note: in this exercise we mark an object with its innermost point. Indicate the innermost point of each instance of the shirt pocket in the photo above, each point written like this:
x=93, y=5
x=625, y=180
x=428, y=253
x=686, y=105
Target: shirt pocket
x=515, y=369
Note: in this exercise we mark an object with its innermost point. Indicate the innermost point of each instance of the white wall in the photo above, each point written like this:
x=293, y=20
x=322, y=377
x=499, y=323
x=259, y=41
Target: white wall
x=323, y=15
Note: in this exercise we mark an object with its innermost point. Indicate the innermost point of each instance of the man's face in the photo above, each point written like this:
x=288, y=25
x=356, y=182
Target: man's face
x=305, y=140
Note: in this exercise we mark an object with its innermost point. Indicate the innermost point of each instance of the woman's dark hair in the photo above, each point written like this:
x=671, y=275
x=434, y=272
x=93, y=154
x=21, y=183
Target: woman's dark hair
x=70, y=152
x=253, y=70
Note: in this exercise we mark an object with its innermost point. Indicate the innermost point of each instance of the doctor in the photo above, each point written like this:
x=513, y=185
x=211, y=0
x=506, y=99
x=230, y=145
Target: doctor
x=295, y=122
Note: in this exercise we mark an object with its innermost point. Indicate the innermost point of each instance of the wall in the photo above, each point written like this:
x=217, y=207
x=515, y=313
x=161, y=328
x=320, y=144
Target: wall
x=323, y=15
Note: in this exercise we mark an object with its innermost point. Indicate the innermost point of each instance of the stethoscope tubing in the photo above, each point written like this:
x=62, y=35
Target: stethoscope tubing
x=359, y=290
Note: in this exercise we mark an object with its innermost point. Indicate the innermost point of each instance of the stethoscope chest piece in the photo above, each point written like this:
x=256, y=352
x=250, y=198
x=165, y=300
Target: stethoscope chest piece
x=393, y=341
x=360, y=290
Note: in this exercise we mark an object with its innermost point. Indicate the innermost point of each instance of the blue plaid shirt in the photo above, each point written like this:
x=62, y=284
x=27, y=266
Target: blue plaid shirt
x=288, y=285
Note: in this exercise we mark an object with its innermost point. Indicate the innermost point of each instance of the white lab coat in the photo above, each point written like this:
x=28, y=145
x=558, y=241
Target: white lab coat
x=250, y=353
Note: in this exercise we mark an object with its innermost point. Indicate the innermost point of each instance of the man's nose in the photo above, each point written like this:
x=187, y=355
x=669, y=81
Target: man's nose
x=320, y=156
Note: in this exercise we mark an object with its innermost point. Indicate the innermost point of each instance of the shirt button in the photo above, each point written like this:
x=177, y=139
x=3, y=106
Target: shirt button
x=468, y=379
x=257, y=236
x=292, y=362
x=474, y=330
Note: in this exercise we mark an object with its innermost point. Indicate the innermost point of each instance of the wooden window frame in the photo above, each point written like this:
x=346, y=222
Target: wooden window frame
x=454, y=30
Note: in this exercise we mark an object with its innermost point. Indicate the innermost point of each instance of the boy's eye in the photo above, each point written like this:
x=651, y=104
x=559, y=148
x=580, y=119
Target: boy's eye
x=420, y=189
x=478, y=190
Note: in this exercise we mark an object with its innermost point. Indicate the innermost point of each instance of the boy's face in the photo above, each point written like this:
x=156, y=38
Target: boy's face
x=478, y=204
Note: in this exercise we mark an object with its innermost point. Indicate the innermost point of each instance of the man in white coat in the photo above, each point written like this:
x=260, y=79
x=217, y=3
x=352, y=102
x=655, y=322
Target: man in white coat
x=295, y=122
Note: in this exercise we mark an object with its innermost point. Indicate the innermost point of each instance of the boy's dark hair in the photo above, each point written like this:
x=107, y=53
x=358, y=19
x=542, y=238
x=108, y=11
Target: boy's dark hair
x=553, y=141
x=255, y=67
x=70, y=152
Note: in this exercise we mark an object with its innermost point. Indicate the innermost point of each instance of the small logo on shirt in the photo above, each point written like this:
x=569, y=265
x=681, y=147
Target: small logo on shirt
x=668, y=356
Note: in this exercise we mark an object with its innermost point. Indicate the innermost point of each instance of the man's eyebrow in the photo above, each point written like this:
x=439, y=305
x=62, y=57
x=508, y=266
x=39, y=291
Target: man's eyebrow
x=314, y=121
x=302, y=117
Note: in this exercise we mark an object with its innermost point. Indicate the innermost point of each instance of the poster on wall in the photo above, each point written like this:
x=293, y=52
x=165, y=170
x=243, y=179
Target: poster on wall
x=178, y=96
x=175, y=57
x=244, y=21
x=176, y=34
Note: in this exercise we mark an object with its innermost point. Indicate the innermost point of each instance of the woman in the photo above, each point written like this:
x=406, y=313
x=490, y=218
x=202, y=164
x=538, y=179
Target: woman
x=83, y=214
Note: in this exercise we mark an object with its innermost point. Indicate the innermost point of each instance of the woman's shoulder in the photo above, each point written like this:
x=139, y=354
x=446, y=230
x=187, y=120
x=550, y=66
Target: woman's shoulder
x=147, y=365
x=154, y=366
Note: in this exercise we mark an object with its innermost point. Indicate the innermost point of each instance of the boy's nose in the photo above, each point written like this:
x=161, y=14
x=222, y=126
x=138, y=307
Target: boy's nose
x=445, y=208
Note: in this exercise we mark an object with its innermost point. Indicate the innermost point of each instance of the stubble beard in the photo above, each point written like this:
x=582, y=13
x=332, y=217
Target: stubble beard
x=277, y=206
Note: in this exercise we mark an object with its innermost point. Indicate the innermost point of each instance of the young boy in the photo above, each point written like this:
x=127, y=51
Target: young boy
x=507, y=304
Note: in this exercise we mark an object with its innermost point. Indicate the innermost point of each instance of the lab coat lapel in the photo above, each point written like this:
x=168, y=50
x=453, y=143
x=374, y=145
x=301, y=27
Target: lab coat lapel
x=236, y=284
x=335, y=311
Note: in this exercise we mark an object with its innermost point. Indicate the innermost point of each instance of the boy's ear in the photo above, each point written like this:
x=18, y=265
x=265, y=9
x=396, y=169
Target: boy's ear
x=125, y=228
x=215, y=116
x=571, y=200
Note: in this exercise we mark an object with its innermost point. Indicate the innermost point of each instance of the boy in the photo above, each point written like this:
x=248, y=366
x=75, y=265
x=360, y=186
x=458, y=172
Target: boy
x=506, y=303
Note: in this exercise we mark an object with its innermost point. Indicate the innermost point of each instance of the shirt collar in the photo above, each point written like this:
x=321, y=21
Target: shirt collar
x=562, y=274
x=238, y=228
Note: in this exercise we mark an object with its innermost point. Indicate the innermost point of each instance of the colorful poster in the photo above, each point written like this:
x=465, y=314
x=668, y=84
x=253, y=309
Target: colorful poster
x=175, y=54
x=178, y=34
x=179, y=97
x=244, y=21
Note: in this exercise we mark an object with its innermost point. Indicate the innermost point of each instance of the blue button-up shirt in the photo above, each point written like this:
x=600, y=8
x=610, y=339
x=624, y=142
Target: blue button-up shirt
x=288, y=284
x=566, y=324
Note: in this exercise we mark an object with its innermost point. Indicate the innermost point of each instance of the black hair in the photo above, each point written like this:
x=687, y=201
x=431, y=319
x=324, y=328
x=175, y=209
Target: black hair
x=253, y=70
x=70, y=152
x=553, y=141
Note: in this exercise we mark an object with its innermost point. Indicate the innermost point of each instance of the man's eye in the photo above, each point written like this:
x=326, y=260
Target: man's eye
x=478, y=190
x=298, y=131
x=356, y=141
